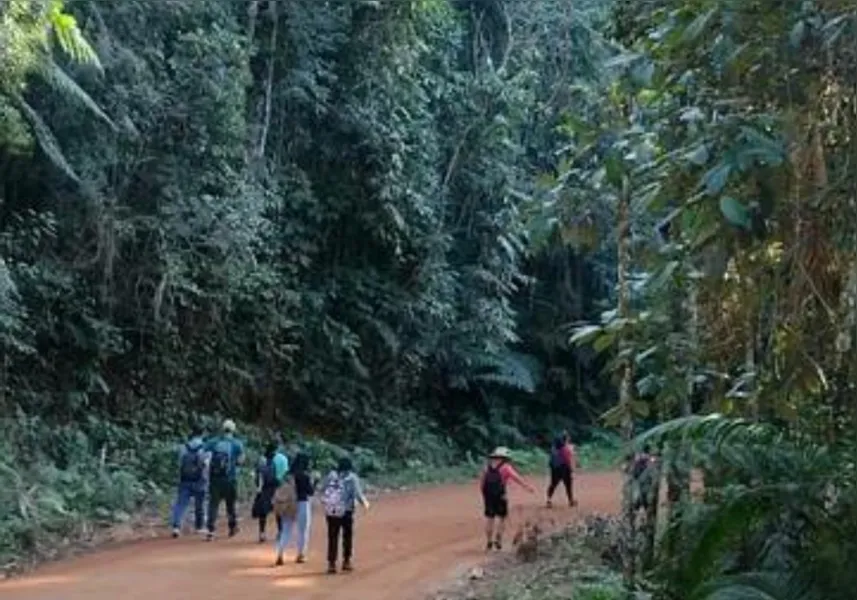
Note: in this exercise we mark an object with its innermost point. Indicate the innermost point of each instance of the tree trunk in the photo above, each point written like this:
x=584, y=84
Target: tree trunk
x=678, y=457
x=650, y=526
x=628, y=545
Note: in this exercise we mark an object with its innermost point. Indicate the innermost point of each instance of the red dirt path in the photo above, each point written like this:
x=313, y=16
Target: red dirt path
x=405, y=545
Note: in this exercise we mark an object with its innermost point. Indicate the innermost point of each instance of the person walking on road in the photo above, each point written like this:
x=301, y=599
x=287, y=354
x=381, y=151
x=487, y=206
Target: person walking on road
x=493, y=484
x=192, y=465
x=341, y=492
x=293, y=509
x=643, y=473
x=227, y=452
x=270, y=474
x=562, y=464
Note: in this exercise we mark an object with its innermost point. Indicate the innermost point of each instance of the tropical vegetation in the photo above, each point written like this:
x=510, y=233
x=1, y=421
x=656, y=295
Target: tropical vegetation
x=423, y=227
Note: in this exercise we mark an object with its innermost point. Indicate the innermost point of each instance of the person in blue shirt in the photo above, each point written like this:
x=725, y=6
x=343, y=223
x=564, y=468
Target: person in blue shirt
x=227, y=453
x=192, y=482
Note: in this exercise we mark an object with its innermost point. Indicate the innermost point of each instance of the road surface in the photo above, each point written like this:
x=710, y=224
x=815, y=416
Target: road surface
x=406, y=545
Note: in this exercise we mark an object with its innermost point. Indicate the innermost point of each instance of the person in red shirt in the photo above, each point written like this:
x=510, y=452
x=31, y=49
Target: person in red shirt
x=562, y=464
x=494, y=483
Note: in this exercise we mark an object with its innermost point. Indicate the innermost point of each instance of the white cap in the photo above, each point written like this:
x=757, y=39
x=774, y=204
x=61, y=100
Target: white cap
x=229, y=426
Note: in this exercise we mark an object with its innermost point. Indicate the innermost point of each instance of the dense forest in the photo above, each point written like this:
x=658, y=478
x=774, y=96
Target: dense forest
x=429, y=226
x=297, y=213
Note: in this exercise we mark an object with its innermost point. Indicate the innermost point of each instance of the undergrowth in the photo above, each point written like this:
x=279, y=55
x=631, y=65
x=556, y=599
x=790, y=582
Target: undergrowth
x=576, y=563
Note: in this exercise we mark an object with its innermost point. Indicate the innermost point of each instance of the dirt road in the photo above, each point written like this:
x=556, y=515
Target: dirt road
x=405, y=545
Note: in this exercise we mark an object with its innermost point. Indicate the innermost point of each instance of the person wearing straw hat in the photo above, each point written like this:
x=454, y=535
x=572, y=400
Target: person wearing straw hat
x=494, y=483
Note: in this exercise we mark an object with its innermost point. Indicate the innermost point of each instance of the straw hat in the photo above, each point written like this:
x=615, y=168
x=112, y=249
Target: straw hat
x=501, y=452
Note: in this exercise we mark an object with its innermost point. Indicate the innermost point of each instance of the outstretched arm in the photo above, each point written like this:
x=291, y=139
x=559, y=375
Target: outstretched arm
x=358, y=492
x=514, y=476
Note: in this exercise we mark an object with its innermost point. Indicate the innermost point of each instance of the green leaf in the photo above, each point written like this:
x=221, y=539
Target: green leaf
x=698, y=155
x=641, y=408
x=715, y=180
x=643, y=72
x=603, y=342
x=698, y=25
x=625, y=59
x=735, y=212
x=614, y=170
x=585, y=334
x=798, y=34
x=613, y=416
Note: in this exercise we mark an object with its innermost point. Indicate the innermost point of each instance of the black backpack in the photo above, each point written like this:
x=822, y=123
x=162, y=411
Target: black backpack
x=557, y=460
x=192, y=464
x=492, y=483
x=641, y=463
x=267, y=474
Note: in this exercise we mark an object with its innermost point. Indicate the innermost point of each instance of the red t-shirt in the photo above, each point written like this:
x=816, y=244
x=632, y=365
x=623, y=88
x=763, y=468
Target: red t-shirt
x=567, y=453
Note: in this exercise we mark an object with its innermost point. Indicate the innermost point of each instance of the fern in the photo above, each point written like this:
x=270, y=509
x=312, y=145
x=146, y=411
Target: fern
x=46, y=139
x=69, y=36
x=512, y=370
x=60, y=81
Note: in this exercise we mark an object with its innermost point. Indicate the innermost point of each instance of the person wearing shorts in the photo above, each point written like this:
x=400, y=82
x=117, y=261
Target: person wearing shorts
x=493, y=484
x=562, y=465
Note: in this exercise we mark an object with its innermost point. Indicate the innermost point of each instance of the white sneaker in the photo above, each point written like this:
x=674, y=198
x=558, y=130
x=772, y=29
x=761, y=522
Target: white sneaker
x=176, y=532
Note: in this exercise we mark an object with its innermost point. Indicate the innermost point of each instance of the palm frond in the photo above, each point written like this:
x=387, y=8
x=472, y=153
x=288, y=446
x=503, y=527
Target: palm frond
x=772, y=585
x=60, y=80
x=715, y=429
x=46, y=139
x=69, y=36
x=513, y=370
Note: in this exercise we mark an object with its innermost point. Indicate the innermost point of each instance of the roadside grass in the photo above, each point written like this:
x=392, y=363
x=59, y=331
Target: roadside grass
x=567, y=565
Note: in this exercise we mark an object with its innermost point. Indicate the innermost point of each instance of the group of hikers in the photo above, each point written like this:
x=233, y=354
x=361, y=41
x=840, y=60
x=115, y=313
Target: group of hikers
x=285, y=488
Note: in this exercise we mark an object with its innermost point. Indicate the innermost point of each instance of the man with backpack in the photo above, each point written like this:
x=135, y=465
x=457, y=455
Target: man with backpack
x=562, y=463
x=192, y=465
x=270, y=474
x=341, y=490
x=493, y=484
x=227, y=453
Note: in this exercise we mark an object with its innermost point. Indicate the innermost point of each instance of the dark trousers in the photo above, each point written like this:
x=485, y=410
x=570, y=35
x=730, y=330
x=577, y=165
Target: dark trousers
x=263, y=524
x=335, y=526
x=222, y=491
x=561, y=474
x=265, y=508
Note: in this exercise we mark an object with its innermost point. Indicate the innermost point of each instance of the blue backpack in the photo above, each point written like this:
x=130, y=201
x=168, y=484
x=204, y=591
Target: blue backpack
x=192, y=464
x=221, y=460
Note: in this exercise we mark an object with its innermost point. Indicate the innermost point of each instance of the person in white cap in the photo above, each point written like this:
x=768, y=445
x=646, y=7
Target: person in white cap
x=493, y=484
x=227, y=453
